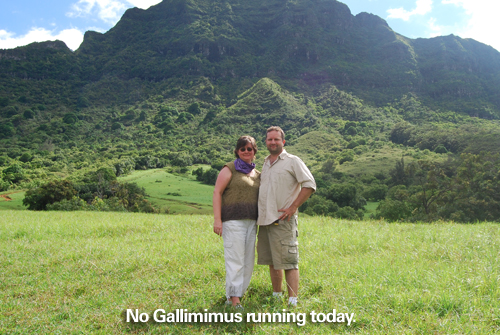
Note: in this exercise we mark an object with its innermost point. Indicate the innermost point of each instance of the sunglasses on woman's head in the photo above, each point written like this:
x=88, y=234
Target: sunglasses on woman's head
x=246, y=149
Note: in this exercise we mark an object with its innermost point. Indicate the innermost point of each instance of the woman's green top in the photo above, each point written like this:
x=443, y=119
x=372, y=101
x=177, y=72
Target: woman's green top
x=239, y=200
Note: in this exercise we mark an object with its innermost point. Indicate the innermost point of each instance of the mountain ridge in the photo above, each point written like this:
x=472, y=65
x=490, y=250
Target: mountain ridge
x=299, y=44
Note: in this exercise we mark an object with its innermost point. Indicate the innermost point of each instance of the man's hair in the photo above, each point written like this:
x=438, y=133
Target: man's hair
x=276, y=128
x=243, y=141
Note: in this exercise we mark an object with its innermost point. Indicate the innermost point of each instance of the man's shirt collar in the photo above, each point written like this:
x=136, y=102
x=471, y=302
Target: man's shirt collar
x=282, y=155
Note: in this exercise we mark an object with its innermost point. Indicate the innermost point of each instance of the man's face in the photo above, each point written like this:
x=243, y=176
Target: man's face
x=274, y=142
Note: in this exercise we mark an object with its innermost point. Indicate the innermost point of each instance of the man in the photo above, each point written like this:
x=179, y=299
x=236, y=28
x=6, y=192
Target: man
x=286, y=183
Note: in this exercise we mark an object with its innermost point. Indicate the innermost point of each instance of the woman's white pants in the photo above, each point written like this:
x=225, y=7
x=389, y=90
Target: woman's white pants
x=239, y=254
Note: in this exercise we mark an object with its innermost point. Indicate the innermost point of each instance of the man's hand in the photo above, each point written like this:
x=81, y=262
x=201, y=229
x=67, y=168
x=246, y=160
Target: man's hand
x=287, y=213
x=304, y=194
x=218, y=228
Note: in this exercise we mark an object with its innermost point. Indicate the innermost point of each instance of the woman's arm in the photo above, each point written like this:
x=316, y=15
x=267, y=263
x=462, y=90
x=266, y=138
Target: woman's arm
x=220, y=185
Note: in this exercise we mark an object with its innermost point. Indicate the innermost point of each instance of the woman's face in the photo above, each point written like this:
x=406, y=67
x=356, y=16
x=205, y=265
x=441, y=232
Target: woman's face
x=246, y=153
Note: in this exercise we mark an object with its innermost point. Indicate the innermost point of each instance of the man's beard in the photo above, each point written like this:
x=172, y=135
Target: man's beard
x=277, y=150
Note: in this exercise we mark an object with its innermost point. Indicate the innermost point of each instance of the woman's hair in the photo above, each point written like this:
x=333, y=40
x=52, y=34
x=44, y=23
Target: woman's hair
x=242, y=142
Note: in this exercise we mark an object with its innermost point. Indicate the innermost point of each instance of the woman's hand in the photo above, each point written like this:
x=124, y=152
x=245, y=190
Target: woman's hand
x=218, y=227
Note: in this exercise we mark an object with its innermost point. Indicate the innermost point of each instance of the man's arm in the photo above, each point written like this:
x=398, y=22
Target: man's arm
x=304, y=194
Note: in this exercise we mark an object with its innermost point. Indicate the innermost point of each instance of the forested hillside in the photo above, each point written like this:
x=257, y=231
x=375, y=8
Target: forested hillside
x=377, y=116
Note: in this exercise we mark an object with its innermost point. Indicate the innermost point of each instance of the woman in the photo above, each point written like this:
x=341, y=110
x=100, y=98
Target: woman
x=235, y=214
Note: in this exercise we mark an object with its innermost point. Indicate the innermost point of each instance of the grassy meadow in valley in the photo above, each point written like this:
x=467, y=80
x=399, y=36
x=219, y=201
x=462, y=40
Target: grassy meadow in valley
x=173, y=194
x=77, y=272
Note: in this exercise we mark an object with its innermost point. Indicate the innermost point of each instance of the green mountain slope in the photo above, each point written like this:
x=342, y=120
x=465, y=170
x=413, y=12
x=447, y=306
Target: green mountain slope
x=177, y=84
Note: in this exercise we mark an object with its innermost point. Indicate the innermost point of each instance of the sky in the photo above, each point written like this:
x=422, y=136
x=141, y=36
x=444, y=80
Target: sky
x=26, y=21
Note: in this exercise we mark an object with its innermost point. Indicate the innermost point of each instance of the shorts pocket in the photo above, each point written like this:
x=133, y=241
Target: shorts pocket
x=228, y=244
x=290, y=252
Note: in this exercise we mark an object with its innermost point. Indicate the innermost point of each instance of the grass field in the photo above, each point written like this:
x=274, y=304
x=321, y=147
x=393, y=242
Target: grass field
x=371, y=208
x=168, y=192
x=77, y=272
x=12, y=199
x=173, y=194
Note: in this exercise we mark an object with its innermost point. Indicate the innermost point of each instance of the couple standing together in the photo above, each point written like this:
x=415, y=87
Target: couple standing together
x=244, y=198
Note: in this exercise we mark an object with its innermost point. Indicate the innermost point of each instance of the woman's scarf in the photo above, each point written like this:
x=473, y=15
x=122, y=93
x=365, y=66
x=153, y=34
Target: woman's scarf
x=242, y=166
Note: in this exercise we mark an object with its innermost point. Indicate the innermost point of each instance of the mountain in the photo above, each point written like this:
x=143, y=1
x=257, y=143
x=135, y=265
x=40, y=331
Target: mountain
x=174, y=84
x=299, y=44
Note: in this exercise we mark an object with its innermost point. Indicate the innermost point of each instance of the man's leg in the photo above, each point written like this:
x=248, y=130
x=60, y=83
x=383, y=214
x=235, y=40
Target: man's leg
x=292, y=282
x=276, y=278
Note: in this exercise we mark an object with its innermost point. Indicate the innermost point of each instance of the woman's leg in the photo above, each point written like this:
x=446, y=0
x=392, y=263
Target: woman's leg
x=234, y=234
x=249, y=260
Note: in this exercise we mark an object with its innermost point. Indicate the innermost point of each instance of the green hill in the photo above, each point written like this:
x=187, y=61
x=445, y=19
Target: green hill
x=177, y=84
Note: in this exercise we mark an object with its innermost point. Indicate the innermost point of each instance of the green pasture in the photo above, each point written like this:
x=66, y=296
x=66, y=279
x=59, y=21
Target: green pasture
x=376, y=161
x=78, y=272
x=172, y=193
x=12, y=199
x=371, y=207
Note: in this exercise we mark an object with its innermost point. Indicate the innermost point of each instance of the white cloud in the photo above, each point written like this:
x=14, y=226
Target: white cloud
x=422, y=7
x=435, y=29
x=483, y=24
x=72, y=37
x=108, y=11
x=143, y=4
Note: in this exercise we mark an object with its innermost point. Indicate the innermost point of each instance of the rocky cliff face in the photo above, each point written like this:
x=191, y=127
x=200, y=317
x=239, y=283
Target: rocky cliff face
x=302, y=45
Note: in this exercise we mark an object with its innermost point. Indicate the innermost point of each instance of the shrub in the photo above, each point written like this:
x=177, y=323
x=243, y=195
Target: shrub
x=28, y=114
x=70, y=118
x=3, y=160
x=4, y=102
x=207, y=177
x=441, y=149
x=393, y=210
x=73, y=204
x=4, y=185
x=349, y=213
x=116, y=126
x=26, y=157
x=37, y=199
x=13, y=174
x=7, y=130
x=184, y=117
x=375, y=192
x=194, y=109
x=9, y=112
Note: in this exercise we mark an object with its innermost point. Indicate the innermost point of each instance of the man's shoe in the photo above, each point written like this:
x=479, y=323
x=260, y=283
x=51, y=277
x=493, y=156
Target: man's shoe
x=277, y=295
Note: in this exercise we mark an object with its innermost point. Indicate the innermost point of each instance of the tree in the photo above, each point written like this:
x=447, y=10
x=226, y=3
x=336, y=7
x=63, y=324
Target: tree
x=37, y=199
x=26, y=157
x=4, y=101
x=432, y=185
x=70, y=118
x=475, y=195
x=185, y=117
x=28, y=114
x=7, y=130
x=13, y=174
x=345, y=194
x=393, y=210
x=210, y=176
x=375, y=192
x=194, y=108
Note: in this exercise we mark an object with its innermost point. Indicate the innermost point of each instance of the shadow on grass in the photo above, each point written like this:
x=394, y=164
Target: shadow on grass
x=260, y=310
x=216, y=318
